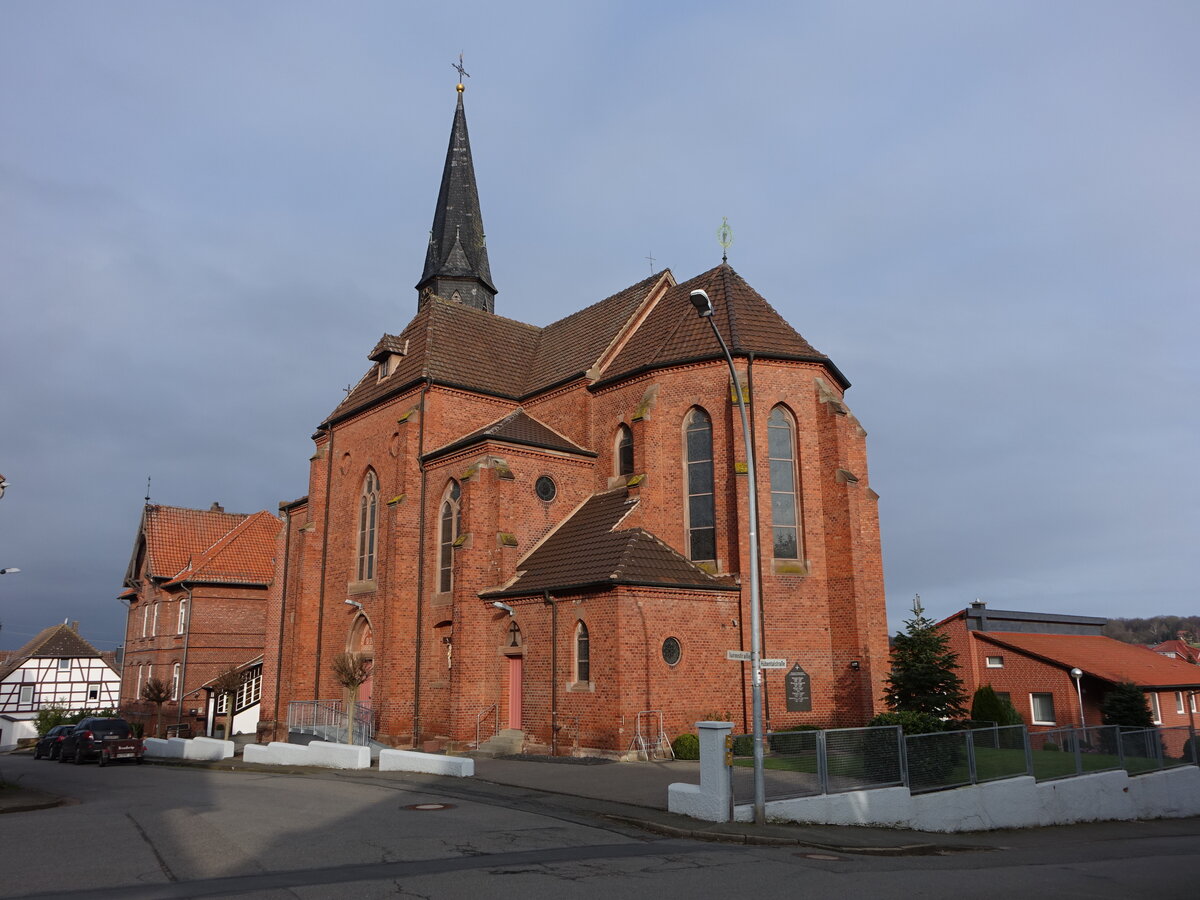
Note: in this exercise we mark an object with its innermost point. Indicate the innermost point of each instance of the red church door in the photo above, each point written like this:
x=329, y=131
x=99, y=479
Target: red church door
x=514, y=692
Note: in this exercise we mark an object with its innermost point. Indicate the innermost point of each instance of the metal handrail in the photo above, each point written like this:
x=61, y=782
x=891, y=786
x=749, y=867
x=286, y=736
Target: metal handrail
x=494, y=708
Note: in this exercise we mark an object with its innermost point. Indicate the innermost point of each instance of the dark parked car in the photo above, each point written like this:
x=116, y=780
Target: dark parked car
x=50, y=743
x=106, y=740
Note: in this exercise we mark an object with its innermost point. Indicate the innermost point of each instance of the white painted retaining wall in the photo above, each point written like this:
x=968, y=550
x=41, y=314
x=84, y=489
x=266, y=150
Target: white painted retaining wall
x=1011, y=803
x=201, y=748
x=430, y=763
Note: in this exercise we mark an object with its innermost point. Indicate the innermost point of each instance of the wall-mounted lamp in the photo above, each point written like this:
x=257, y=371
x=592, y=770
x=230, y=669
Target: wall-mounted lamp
x=353, y=603
x=855, y=665
x=504, y=606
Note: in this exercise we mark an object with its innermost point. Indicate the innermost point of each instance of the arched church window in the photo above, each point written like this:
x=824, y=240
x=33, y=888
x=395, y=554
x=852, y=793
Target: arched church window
x=781, y=453
x=623, y=457
x=583, y=657
x=450, y=524
x=368, y=514
x=701, y=512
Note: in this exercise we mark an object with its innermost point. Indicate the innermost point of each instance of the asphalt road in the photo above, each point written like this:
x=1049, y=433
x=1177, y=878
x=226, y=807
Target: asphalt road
x=167, y=831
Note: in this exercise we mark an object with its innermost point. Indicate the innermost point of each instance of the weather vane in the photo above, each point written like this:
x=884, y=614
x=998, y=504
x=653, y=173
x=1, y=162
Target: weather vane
x=462, y=73
x=725, y=238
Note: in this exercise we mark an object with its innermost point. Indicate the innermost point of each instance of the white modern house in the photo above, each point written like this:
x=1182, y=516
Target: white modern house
x=56, y=668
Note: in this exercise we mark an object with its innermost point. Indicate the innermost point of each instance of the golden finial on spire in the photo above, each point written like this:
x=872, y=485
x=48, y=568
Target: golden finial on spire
x=462, y=73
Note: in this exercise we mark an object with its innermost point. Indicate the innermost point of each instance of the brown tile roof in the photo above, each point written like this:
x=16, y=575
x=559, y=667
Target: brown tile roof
x=518, y=427
x=674, y=333
x=454, y=344
x=243, y=556
x=1101, y=657
x=57, y=641
x=175, y=535
x=588, y=550
x=1181, y=649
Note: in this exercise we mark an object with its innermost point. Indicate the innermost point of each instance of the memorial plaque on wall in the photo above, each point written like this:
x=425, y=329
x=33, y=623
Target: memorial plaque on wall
x=799, y=693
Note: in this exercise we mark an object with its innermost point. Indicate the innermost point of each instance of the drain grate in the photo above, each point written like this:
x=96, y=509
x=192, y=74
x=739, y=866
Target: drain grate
x=429, y=807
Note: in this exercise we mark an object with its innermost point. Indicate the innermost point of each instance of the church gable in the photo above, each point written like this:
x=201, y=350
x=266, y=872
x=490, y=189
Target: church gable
x=517, y=428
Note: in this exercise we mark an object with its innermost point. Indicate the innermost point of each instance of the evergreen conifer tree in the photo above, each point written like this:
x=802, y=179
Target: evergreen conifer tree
x=1126, y=705
x=924, y=675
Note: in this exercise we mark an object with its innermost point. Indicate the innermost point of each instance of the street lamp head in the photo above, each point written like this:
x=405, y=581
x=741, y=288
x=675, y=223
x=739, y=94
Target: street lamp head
x=11, y=571
x=704, y=307
x=1077, y=674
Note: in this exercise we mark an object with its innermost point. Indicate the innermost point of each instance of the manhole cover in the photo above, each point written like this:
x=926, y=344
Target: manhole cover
x=820, y=856
x=429, y=807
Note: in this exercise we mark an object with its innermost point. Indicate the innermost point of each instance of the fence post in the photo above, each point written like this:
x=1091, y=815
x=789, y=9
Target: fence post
x=1158, y=749
x=822, y=763
x=902, y=750
x=1075, y=742
x=1028, y=751
x=972, y=774
x=1120, y=745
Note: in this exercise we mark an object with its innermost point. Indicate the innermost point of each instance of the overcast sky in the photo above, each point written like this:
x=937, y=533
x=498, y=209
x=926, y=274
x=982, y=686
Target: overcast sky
x=988, y=215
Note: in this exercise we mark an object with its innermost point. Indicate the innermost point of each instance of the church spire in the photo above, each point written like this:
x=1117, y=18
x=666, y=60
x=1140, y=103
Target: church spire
x=456, y=262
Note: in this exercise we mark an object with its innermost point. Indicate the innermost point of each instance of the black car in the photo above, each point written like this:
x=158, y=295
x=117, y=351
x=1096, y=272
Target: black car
x=105, y=740
x=51, y=742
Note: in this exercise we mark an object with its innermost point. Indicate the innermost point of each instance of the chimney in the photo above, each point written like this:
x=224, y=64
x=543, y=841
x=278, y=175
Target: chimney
x=216, y=507
x=75, y=627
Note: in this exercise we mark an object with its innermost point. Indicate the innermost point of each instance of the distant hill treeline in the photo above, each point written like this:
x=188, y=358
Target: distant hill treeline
x=1153, y=630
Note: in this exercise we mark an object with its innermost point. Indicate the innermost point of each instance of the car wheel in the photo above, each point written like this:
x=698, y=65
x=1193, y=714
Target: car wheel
x=37, y=754
x=61, y=757
x=103, y=760
x=77, y=758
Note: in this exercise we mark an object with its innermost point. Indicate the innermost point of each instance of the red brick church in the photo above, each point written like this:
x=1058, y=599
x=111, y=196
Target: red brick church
x=545, y=529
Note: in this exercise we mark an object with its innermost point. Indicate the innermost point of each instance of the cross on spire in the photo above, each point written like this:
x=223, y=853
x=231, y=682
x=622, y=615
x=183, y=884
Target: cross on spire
x=462, y=73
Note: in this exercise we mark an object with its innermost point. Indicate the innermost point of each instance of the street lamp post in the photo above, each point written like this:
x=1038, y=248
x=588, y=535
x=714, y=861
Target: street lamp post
x=704, y=309
x=1078, y=674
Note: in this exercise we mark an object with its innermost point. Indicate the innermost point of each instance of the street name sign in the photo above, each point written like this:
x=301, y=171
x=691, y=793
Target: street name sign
x=772, y=663
x=738, y=655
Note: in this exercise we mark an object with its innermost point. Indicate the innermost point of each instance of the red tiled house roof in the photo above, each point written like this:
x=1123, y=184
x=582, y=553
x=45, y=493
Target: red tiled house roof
x=243, y=556
x=1101, y=657
x=1182, y=650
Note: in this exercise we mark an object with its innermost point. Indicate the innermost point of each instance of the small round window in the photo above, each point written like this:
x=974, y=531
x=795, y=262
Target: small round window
x=546, y=489
x=672, y=651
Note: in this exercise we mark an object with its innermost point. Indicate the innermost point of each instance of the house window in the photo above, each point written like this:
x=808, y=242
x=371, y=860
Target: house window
x=583, y=668
x=145, y=618
x=623, y=455
x=1179, y=702
x=1042, y=707
x=781, y=454
x=93, y=693
x=995, y=662
x=1154, y=710
x=701, y=512
x=26, y=695
x=141, y=671
x=672, y=651
x=545, y=488
x=182, y=615
x=222, y=704
x=368, y=508
x=175, y=682
x=450, y=526
x=1192, y=700
x=251, y=689
x=154, y=622
x=64, y=665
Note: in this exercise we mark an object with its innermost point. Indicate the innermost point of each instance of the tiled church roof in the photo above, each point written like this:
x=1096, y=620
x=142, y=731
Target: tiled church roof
x=518, y=427
x=456, y=345
x=588, y=550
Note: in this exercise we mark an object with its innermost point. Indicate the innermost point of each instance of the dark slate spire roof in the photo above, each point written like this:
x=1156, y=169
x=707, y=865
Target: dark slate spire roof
x=589, y=550
x=457, y=260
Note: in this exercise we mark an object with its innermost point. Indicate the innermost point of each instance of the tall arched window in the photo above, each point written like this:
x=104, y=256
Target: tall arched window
x=781, y=453
x=623, y=455
x=175, y=682
x=450, y=524
x=701, y=514
x=368, y=510
x=583, y=658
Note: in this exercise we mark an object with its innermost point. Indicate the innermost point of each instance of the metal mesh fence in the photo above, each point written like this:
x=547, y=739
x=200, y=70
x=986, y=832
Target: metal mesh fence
x=862, y=758
x=998, y=752
x=938, y=760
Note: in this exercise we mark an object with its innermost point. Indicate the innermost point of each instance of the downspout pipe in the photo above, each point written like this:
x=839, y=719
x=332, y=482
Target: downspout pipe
x=287, y=557
x=187, y=636
x=419, y=647
x=324, y=572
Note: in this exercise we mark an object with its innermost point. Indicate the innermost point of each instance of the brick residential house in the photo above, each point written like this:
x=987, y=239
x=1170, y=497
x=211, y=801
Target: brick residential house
x=57, y=667
x=544, y=528
x=1028, y=657
x=1179, y=648
x=197, y=587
